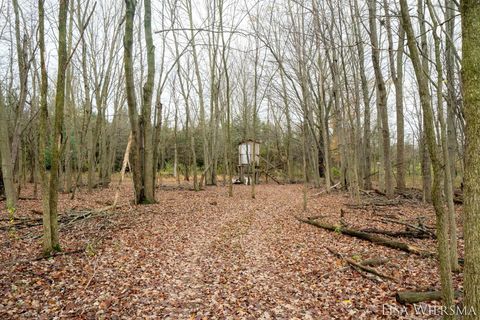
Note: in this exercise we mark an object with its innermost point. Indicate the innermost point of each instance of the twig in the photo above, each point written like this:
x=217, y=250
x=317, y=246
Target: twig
x=317, y=217
x=93, y=274
x=362, y=267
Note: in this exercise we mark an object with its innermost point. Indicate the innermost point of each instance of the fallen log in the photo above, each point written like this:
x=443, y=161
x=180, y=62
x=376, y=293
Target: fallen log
x=404, y=234
x=21, y=225
x=411, y=194
x=418, y=296
x=370, y=270
x=27, y=198
x=370, y=237
x=373, y=262
x=67, y=218
x=15, y=218
x=403, y=223
x=362, y=266
x=20, y=198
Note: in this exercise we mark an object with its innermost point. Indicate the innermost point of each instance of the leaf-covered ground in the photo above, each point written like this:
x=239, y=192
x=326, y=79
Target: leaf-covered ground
x=203, y=255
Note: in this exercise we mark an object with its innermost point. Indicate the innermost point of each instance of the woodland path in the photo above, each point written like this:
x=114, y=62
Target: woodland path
x=205, y=255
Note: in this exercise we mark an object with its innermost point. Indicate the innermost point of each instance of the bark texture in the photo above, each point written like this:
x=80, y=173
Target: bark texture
x=470, y=10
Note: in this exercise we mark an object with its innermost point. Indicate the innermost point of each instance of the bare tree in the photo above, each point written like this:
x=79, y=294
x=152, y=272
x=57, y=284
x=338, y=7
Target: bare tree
x=142, y=162
x=429, y=127
x=23, y=63
x=448, y=183
x=396, y=73
x=381, y=97
x=367, y=176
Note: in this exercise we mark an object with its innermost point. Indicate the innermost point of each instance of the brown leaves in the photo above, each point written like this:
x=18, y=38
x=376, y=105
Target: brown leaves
x=203, y=255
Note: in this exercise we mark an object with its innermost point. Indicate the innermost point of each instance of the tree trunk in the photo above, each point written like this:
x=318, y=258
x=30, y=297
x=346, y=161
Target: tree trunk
x=203, y=129
x=323, y=117
x=6, y=164
x=425, y=168
x=396, y=72
x=23, y=66
x=426, y=161
x=58, y=122
x=470, y=11
x=381, y=97
x=450, y=83
x=175, y=151
x=448, y=183
x=43, y=137
x=135, y=156
x=228, y=142
x=67, y=184
x=253, y=162
x=157, y=132
x=147, y=107
x=428, y=120
x=400, y=116
x=367, y=180
x=304, y=167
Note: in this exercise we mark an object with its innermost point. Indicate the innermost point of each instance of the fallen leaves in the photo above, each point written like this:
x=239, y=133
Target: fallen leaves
x=203, y=255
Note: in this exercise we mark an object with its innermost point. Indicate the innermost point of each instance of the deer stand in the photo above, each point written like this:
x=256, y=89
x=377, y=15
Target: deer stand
x=246, y=176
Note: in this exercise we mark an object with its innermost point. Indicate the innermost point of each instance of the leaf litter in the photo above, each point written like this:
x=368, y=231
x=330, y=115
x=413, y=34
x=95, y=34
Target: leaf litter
x=203, y=255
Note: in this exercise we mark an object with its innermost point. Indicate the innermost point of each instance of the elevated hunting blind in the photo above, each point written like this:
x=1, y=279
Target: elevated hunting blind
x=248, y=156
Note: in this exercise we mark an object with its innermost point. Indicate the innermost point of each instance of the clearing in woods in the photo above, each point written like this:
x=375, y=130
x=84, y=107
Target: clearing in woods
x=205, y=255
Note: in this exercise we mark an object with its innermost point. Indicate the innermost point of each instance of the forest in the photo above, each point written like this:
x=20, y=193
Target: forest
x=223, y=159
